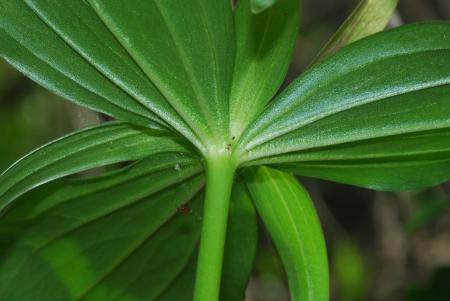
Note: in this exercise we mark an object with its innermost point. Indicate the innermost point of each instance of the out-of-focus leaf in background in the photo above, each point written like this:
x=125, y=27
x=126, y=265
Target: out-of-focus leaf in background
x=350, y=270
x=369, y=17
x=428, y=205
x=436, y=289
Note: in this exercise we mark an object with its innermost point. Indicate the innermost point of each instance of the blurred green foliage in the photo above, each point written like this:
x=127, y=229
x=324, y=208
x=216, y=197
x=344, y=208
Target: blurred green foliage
x=271, y=280
x=437, y=288
x=428, y=205
x=350, y=270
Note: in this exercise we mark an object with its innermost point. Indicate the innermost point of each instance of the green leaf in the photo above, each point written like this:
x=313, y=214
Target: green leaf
x=259, y=6
x=375, y=114
x=182, y=288
x=120, y=236
x=406, y=174
x=264, y=47
x=369, y=17
x=39, y=52
x=186, y=48
x=75, y=216
x=289, y=215
x=85, y=32
x=93, y=147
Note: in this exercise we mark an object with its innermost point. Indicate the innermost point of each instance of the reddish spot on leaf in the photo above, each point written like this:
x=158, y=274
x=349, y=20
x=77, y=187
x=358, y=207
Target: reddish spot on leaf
x=184, y=209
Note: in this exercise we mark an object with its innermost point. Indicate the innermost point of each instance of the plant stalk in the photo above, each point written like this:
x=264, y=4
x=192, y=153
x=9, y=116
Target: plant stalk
x=219, y=181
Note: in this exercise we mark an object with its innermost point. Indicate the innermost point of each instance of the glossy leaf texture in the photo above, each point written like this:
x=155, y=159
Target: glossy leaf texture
x=186, y=48
x=290, y=217
x=66, y=47
x=369, y=17
x=101, y=145
x=127, y=235
x=44, y=55
x=264, y=48
x=121, y=236
x=259, y=6
x=376, y=114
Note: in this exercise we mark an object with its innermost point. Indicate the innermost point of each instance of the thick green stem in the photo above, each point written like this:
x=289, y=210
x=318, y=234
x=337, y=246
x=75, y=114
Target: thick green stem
x=219, y=172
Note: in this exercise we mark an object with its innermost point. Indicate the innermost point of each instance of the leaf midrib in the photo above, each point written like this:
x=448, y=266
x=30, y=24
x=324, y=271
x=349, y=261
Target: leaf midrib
x=291, y=220
x=188, y=132
x=127, y=256
x=286, y=150
x=255, y=142
x=132, y=249
x=68, y=41
x=71, y=155
x=64, y=201
x=50, y=85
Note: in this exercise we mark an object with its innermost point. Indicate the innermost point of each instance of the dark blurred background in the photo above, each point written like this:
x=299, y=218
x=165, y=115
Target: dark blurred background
x=382, y=246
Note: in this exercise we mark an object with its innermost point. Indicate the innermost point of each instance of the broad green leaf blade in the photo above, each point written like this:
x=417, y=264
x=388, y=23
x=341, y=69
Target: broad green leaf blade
x=186, y=48
x=259, y=6
x=289, y=215
x=264, y=47
x=240, y=246
x=114, y=237
x=93, y=147
x=400, y=162
x=85, y=32
x=240, y=249
x=182, y=288
x=39, y=71
x=40, y=53
x=76, y=204
x=369, y=17
x=376, y=114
